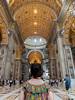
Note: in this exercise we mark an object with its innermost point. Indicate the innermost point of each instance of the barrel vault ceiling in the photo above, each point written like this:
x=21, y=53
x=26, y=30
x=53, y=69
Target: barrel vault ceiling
x=34, y=17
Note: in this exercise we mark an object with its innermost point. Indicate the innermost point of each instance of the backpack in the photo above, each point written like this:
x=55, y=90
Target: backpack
x=35, y=92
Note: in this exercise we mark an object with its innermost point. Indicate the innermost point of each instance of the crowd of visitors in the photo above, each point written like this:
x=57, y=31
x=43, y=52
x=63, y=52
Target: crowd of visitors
x=55, y=82
x=10, y=82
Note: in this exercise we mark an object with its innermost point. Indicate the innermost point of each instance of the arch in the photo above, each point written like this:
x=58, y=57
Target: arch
x=36, y=51
x=35, y=56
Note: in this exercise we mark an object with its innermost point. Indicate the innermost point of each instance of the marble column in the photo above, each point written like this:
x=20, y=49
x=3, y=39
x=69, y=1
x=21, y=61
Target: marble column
x=70, y=70
x=9, y=57
x=3, y=55
x=61, y=55
x=13, y=65
x=25, y=70
x=57, y=65
x=17, y=69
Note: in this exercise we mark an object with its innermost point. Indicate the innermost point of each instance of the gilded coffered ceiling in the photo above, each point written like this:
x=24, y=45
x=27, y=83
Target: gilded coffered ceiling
x=69, y=25
x=54, y=4
x=70, y=30
x=3, y=30
x=36, y=17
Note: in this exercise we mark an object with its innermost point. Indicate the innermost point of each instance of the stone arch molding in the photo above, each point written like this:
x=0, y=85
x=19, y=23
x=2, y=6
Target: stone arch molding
x=35, y=51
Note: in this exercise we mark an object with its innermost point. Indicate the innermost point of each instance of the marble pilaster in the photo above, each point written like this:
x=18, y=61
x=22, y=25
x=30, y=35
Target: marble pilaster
x=61, y=55
x=9, y=57
x=25, y=70
x=70, y=70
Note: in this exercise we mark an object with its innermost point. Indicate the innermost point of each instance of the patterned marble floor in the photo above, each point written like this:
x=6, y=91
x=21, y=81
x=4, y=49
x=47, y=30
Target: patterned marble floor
x=7, y=93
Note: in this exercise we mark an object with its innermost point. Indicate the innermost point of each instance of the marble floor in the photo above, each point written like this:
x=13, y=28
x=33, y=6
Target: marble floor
x=7, y=93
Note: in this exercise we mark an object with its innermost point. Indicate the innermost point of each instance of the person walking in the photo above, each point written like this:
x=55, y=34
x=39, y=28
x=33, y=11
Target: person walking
x=36, y=88
x=67, y=82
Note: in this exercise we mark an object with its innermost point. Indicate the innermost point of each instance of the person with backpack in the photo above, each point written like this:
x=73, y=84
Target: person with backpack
x=36, y=88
